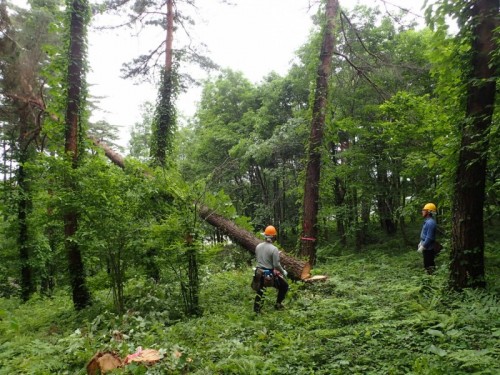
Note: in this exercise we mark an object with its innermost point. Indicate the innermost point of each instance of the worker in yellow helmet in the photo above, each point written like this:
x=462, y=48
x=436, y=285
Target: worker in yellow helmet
x=269, y=271
x=428, y=237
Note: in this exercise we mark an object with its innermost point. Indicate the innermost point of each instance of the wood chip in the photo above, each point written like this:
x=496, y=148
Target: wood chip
x=316, y=278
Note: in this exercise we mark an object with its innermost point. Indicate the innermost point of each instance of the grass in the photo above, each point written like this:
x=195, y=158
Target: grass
x=378, y=313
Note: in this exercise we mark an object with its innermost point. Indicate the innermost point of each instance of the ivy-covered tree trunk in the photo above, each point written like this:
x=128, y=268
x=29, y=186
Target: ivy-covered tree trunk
x=467, y=245
x=77, y=34
x=313, y=169
x=164, y=121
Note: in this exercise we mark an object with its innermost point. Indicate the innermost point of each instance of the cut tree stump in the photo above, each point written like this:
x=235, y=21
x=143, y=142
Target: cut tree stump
x=103, y=362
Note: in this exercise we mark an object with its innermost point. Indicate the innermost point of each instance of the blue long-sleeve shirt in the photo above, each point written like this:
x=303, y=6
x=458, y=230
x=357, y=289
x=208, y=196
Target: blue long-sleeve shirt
x=428, y=233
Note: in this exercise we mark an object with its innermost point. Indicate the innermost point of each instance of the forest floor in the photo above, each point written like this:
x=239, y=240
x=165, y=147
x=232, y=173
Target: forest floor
x=377, y=313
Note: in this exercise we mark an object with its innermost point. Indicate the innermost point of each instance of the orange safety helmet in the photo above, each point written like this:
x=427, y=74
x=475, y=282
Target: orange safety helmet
x=270, y=231
x=430, y=207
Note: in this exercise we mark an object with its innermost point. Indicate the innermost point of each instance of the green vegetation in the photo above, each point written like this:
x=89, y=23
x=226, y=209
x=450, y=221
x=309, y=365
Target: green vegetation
x=377, y=313
x=96, y=258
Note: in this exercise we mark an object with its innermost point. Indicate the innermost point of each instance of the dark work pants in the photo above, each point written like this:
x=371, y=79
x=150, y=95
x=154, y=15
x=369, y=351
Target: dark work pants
x=429, y=263
x=279, y=283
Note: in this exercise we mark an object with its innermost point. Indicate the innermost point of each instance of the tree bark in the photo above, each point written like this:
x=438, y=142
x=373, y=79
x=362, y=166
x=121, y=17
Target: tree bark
x=311, y=190
x=111, y=154
x=467, y=242
x=169, y=56
x=79, y=10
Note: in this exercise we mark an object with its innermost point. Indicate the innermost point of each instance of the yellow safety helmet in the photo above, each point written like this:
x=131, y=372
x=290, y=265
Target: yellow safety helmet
x=430, y=207
x=270, y=231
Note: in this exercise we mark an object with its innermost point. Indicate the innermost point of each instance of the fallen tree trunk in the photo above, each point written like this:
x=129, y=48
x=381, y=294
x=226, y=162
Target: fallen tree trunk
x=111, y=154
x=297, y=269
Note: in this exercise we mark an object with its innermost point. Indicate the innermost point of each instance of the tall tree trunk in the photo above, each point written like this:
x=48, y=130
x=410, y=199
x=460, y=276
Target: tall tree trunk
x=467, y=242
x=313, y=169
x=23, y=89
x=75, y=100
x=24, y=196
x=164, y=123
x=24, y=205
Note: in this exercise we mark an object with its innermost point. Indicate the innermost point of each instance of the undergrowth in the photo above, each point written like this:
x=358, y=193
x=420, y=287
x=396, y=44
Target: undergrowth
x=377, y=313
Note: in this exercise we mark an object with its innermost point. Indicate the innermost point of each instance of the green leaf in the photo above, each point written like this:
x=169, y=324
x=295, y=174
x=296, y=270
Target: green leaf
x=436, y=350
x=435, y=332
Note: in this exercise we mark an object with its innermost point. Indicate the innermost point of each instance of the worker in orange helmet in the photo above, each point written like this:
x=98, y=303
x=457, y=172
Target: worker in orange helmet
x=269, y=271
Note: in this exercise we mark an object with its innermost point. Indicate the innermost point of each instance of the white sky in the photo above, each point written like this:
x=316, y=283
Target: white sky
x=255, y=37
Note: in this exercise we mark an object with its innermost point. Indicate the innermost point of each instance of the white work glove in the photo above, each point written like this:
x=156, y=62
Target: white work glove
x=285, y=273
x=420, y=248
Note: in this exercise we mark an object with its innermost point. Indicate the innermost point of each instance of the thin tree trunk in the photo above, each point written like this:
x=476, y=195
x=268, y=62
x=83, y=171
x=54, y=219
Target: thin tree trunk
x=48, y=276
x=402, y=222
x=79, y=10
x=467, y=242
x=313, y=169
x=339, y=188
x=193, y=308
x=384, y=201
x=116, y=270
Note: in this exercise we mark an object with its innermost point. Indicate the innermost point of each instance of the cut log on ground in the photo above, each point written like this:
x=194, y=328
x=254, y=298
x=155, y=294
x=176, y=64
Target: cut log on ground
x=297, y=269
